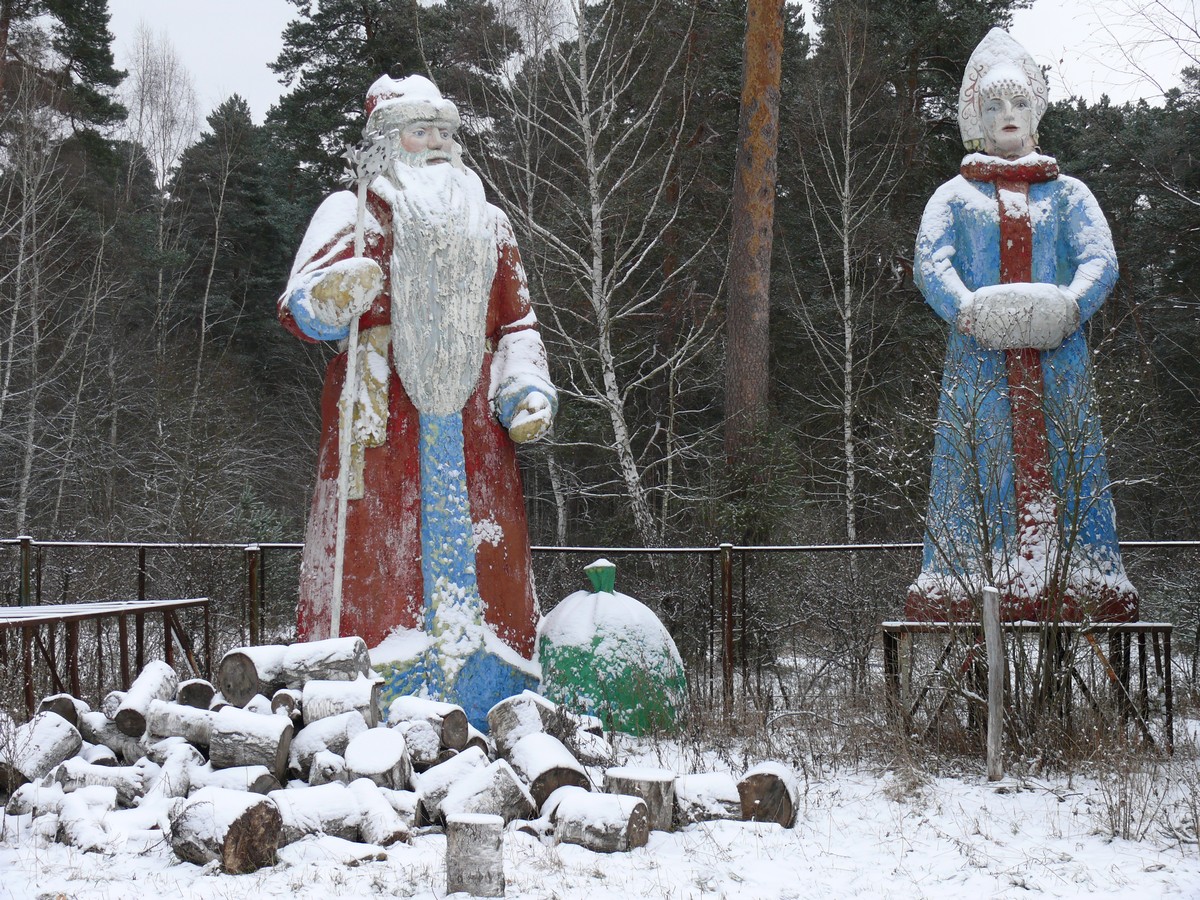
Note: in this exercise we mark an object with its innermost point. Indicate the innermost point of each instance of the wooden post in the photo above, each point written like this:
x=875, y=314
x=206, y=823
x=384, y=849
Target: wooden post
x=123, y=640
x=1167, y=689
x=727, y=625
x=995, y=692
x=252, y=556
x=27, y=664
x=72, y=648
x=25, y=543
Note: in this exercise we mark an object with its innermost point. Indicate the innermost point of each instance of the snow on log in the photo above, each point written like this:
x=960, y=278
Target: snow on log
x=127, y=781
x=495, y=790
x=513, y=718
x=195, y=692
x=240, y=829
x=435, y=783
x=322, y=699
x=218, y=702
x=241, y=738
x=589, y=748
x=447, y=719
x=255, y=779
x=326, y=809
x=246, y=671
x=405, y=803
x=475, y=855
x=381, y=755
x=66, y=706
x=769, y=793
x=335, y=659
x=259, y=705
x=379, y=823
x=99, y=729
x=35, y=748
x=111, y=703
x=604, y=823
x=157, y=681
x=333, y=734
x=97, y=754
x=176, y=719
x=546, y=765
x=705, y=797
x=81, y=819
x=424, y=744
x=327, y=766
x=172, y=776
x=476, y=738
x=289, y=701
x=35, y=799
x=549, y=809
x=656, y=787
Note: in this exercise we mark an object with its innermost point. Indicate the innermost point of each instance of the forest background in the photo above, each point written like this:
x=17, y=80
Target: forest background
x=147, y=392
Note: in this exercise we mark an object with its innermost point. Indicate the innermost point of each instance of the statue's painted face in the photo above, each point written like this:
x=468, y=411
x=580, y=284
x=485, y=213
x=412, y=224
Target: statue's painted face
x=428, y=142
x=1007, y=122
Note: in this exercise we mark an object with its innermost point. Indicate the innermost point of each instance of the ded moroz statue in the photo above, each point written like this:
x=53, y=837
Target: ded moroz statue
x=449, y=374
x=1016, y=258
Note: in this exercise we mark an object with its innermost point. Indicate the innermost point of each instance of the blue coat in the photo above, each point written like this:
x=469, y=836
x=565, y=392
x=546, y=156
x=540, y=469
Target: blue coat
x=971, y=527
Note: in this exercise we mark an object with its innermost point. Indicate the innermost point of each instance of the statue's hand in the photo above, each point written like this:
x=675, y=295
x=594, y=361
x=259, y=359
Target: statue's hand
x=1033, y=315
x=346, y=290
x=532, y=418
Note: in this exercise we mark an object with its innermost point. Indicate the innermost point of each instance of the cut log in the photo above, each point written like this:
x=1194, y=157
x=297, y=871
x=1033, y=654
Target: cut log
x=289, y=701
x=111, y=703
x=475, y=855
x=259, y=705
x=241, y=738
x=157, y=681
x=589, y=748
x=335, y=659
x=381, y=755
x=604, y=823
x=81, y=819
x=333, y=734
x=322, y=699
x=476, y=738
x=246, y=671
x=513, y=718
x=448, y=720
x=127, y=781
x=218, y=702
x=549, y=809
x=241, y=830
x=706, y=797
x=192, y=723
x=35, y=748
x=495, y=790
x=255, y=779
x=195, y=692
x=327, y=766
x=769, y=793
x=378, y=822
x=99, y=729
x=66, y=706
x=424, y=745
x=656, y=787
x=35, y=799
x=434, y=784
x=406, y=805
x=328, y=809
x=97, y=754
x=172, y=776
x=546, y=765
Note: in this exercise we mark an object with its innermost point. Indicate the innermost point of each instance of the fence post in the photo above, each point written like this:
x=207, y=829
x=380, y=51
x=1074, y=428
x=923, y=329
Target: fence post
x=252, y=557
x=727, y=624
x=995, y=691
x=23, y=590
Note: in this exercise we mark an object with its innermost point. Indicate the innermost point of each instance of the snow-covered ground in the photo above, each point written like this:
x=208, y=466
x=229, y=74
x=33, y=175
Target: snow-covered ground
x=861, y=833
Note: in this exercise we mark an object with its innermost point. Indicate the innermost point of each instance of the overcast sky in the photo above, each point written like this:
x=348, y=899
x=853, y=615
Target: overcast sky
x=227, y=44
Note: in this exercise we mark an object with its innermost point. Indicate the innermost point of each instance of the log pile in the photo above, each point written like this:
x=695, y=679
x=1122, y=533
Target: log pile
x=292, y=742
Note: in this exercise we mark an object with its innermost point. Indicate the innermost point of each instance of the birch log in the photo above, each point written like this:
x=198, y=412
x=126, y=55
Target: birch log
x=495, y=790
x=381, y=755
x=192, y=723
x=424, y=745
x=254, y=779
x=241, y=830
x=434, y=784
x=327, y=766
x=706, y=796
x=246, y=671
x=99, y=729
x=66, y=706
x=656, y=787
x=195, y=692
x=127, y=781
x=241, y=738
x=513, y=718
x=546, y=765
x=322, y=699
x=333, y=734
x=328, y=808
x=35, y=748
x=448, y=720
x=97, y=754
x=378, y=822
x=81, y=823
x=604, y=823
x=769, y=793
x=335, y=659
x=475, y=855
x=157, y=681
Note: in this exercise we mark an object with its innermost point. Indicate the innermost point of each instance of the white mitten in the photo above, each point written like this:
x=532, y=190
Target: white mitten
x=1008, y=316
x=346, y=290
x=532, y=418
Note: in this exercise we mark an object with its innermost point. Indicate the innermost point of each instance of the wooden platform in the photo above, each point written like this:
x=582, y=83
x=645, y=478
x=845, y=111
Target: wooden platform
x=1116, y=664
x=39, y=626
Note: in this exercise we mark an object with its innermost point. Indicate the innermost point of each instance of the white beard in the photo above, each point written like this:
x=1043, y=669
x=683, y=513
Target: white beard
x=444, y=258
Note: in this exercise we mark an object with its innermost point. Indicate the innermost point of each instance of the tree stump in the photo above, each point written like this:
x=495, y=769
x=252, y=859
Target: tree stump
x=195, y=692
x=333, y=734
x=381, y=755
x=546, y=765
x=35, y=748
x=656, y=787
x=475, y=855
x=241, y=830
x=322, y=699
x=157, y=681
x=515, y=717
x=495, y=790
x=448, y=720
x=328, y=808
x=705, y=797
x=241, y=738
x=769, y=793
x=378, y=823
x=604, y=823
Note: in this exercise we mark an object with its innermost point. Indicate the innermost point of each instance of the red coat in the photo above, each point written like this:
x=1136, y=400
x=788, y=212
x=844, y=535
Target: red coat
x=383, y=584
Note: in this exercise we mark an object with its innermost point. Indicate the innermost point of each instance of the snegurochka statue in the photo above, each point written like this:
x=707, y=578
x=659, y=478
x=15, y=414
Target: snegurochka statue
x=1016, y=257
x=417, y=537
